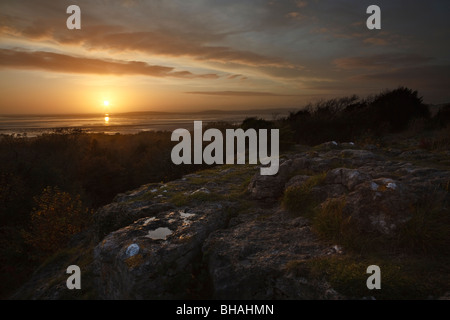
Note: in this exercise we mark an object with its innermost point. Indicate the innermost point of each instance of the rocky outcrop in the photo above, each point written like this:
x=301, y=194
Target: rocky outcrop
x=120, y=214
x=224, y=233
x=269, y=188
x=154, y=257
x=379, y=194
x=250, y=259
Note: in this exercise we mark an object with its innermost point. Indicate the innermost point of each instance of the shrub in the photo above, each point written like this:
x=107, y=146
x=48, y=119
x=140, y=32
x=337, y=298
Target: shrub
x=55, y=219
x=397, y=107
x=330, y=222
x=428, y=230
x=300, y=199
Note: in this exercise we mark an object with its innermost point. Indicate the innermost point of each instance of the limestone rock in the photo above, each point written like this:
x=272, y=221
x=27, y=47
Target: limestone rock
x=269, y=188
x=251, y=260
x=136, y=262
x=296, y=181
x=349, y=178
x=119, y=214
x=145, y=247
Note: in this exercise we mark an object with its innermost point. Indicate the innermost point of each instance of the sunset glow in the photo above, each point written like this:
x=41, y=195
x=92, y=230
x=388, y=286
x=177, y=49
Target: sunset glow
x=182, y=56
x=233, y=150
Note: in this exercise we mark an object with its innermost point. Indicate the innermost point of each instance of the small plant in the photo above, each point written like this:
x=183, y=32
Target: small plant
x=428, y=230
x=400, y=279
x=330, y=222
x=300, y=199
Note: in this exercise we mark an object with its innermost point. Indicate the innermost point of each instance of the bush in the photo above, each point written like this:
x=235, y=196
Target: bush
x=428, y=230
x=55, y=219
x=299, y=199
x=330, y=222
x=397, y=107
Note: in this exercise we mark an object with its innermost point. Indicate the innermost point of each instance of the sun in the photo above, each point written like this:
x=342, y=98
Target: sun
x=106, y=103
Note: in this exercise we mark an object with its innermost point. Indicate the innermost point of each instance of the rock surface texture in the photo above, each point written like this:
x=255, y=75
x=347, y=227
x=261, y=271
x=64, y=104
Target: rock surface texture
x=224, y=234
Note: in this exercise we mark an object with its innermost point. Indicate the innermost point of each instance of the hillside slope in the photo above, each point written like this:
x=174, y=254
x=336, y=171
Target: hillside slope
x=310, y=232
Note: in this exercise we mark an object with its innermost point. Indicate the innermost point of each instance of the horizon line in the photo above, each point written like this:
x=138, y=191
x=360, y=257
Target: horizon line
x=283, y=109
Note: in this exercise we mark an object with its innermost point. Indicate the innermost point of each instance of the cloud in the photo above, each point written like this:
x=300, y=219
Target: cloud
x=301, y=3
x=237, y=77
x=159, y=42
x=432, y=81
x=295, y=15
x=202, y=31
x=433, y=76
x=56, y=62
x=376, y=41
x=280, y=43
x=240, y=93
x=381, y=61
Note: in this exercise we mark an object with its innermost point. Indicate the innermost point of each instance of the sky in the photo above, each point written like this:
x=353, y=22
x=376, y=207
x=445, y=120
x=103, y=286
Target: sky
x=175, y=55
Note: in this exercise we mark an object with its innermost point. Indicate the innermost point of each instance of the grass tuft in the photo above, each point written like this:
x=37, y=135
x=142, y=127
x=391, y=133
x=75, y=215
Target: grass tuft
x=428, y=230
x=300, y=200
x=408, y=278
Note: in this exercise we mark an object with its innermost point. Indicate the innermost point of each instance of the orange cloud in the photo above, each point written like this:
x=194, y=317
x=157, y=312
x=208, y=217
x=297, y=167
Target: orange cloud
x=160, y=42
x=301, y=3
x=376, y=41
x=295, y=15
x=56, y=62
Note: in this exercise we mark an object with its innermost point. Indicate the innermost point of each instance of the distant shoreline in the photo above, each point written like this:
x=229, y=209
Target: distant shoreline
x=212, y=111
x=124, y=123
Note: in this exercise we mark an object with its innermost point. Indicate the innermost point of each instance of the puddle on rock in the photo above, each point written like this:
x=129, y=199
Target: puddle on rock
x=186, y=215
x=159, y=234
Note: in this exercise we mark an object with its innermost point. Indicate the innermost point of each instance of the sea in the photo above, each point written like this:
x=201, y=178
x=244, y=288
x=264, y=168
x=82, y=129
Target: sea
x=124, y=123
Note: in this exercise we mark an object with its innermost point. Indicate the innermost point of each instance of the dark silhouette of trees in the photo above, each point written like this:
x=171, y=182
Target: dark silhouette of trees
x=349, y=118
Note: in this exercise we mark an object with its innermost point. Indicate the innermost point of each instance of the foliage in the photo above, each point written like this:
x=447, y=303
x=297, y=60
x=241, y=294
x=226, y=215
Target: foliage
x=350, y=118
x=299, y=199
x=55, y=219
x=406, y=278
x=428, y=230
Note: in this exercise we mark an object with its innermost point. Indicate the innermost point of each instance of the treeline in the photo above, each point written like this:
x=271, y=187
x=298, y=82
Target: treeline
x=350, y=118
x=353, y=118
